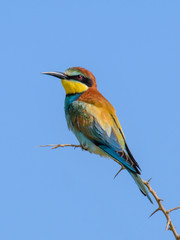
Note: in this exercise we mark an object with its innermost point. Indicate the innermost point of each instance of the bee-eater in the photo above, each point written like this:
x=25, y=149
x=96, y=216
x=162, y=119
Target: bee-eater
x=94, y=122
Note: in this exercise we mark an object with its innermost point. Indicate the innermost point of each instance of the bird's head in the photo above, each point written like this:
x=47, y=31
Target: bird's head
x=75, y=80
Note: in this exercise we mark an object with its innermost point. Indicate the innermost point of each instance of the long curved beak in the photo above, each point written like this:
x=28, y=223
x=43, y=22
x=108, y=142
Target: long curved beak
x=56, y=74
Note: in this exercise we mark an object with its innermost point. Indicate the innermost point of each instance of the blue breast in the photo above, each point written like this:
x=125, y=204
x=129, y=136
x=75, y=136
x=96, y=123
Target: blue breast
x=68, y=101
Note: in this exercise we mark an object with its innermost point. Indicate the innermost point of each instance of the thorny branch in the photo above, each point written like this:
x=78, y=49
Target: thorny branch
x=169, y=225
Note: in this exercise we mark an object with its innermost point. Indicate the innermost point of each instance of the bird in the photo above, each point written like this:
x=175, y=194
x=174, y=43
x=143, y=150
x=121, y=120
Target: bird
x=92, y=118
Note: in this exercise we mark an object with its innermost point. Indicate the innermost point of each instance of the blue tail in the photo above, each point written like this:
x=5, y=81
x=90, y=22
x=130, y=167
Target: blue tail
x=140, y=184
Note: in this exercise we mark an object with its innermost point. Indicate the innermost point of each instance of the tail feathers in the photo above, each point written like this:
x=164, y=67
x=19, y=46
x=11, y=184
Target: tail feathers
x=140, y=184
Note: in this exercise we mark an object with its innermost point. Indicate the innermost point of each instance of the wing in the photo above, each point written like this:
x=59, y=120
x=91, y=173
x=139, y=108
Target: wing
x=103, y=129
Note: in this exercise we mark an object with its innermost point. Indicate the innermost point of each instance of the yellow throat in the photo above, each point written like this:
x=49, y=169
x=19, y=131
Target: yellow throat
x=73, y=87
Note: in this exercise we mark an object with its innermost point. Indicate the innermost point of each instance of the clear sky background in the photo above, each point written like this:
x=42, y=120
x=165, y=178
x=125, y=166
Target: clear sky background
x=133, y=49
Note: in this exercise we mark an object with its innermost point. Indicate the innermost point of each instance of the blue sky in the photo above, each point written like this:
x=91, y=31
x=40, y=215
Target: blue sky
x=133, y=49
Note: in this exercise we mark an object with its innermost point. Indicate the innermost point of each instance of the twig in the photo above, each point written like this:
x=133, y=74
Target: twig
x=169, y=225
x=54, y=146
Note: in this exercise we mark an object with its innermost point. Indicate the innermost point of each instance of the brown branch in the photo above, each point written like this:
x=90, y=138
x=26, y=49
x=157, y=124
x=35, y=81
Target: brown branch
x=54, y=146
x=169, y=225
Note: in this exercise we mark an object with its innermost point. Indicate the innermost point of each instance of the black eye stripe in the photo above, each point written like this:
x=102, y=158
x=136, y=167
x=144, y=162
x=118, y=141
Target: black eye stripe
x=84, y=80
x=87, y=81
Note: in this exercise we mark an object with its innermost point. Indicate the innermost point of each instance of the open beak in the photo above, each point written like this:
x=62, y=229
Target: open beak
x=56, y=74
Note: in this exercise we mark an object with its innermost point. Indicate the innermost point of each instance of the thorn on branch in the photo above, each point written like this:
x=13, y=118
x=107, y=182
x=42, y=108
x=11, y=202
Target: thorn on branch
x=158, y=209
x=122, y=168
x=167, y=225
x=160, y=200
x=149, y=180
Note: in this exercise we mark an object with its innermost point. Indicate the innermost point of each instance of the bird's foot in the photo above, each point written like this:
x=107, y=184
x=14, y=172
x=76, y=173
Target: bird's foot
x=85, y=148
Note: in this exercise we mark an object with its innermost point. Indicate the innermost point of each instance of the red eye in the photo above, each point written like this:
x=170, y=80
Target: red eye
x=79, y=77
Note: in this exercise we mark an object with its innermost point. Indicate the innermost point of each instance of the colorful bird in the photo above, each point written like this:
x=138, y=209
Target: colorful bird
x=94, y=122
